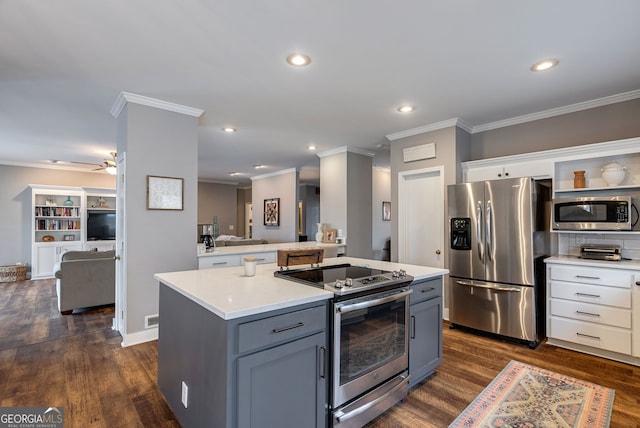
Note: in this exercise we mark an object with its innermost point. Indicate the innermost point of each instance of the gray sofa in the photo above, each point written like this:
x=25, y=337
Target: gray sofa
x=85, y=279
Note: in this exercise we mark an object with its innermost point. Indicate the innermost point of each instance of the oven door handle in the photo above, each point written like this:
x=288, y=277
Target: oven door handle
x=369, y=303
x=489, y=287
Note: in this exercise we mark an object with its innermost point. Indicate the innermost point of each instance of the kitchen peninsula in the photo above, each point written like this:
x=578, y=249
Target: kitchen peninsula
x=265, y=253
x=237, y=351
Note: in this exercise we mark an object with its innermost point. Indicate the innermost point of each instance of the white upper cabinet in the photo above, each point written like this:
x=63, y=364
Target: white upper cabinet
x=506, y=167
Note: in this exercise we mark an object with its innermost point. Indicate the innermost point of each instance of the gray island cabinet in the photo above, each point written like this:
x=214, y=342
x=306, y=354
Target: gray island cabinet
x=425, y=329
x=237, y=351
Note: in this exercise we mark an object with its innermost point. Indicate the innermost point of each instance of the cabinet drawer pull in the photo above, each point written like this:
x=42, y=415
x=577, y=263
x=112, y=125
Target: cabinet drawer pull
x=291, y=327
x=426, y=290
x=597, y=296
x=589, y=336
x=218, y=263
x=261, y=260
x=587, y=277
x=587, y=313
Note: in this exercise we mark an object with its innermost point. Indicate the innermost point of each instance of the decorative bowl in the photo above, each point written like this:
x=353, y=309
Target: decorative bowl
x=613, y=174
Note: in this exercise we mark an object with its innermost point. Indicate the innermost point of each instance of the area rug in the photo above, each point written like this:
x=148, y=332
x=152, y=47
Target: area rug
x=527, y=396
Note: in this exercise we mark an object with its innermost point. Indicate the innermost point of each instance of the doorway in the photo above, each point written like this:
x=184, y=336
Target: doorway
x=421, y=217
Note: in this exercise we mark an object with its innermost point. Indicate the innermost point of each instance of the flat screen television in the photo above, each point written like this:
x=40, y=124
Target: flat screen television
x=101, y=225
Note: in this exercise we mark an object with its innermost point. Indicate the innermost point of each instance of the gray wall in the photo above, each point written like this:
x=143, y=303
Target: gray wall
x=346, y=198
x=310, y=197
x=381, y=187
x=242, y=199
x=15, y=200
x=160, y=143
x=452, y=147
x=607, y=123
x=215, y=199
x=280, y=185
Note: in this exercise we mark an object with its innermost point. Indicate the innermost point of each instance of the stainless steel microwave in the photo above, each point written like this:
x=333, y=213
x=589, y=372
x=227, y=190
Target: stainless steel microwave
x=593, y=213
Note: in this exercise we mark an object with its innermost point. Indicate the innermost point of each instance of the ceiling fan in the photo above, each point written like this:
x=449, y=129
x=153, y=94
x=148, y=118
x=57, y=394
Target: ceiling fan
x=109, y=165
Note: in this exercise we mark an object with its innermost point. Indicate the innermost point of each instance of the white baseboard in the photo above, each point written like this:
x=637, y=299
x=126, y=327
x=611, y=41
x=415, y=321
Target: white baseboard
x=139, y=337
x=445, y=314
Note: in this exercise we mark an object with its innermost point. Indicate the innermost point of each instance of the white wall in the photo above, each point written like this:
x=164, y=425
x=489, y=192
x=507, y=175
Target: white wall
x=15, y=200
x=283, y=185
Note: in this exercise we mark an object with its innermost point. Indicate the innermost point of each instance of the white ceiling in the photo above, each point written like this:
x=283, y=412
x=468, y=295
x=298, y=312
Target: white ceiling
x=64, y=62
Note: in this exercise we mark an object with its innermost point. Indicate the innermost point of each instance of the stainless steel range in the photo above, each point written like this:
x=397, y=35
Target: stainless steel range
x=369, y=338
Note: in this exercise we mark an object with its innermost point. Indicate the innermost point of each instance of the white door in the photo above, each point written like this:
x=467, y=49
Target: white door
x=121, y=259
x=421, y=217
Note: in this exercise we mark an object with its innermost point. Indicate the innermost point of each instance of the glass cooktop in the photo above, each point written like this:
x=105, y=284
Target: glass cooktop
x=345, y=278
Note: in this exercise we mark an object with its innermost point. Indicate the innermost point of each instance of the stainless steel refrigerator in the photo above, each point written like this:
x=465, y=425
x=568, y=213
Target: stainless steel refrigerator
x=498, y=239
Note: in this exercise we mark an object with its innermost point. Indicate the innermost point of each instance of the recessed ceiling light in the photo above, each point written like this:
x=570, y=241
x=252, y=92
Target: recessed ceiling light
x=544, y=65
x=229, y=129
x=234, y=173
x=406, y=109
x=312, y=147
x=298, y=60
x=258, y=166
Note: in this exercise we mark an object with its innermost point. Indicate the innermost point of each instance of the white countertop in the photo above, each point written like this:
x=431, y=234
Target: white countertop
x=229, y=294
x=573, y=260
x=266, y=248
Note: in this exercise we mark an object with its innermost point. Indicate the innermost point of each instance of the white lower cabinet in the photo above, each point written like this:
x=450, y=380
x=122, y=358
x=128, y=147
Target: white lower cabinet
x=214, y=261
x=46, y=255
x=594, y=310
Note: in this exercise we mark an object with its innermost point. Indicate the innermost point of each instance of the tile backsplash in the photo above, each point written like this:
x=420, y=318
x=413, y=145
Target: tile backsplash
x=569, y=243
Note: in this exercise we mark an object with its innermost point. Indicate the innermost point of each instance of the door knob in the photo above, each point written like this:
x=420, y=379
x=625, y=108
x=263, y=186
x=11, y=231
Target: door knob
x=117, y=258
x=438, y=252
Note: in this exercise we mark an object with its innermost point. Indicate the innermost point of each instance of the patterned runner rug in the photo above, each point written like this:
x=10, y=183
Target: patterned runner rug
x=528, y=396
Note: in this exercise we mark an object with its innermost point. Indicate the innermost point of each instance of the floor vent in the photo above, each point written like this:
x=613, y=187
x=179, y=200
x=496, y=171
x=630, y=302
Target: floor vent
x=151, y=321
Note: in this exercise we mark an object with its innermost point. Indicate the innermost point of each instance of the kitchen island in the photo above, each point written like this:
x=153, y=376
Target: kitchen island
x=238, y=351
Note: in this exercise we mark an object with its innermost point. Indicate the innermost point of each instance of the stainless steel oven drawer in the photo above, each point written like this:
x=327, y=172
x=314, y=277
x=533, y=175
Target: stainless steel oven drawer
x=269, y=331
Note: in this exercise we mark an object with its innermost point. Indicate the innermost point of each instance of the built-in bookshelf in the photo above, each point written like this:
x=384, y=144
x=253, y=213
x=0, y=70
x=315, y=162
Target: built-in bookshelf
x=58, y=224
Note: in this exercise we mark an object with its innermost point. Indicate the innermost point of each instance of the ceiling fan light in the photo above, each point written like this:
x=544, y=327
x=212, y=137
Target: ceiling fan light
x=111, y=170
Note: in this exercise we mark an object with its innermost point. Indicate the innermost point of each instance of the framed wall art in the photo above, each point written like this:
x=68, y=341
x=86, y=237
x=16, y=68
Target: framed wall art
x=165, y=193
x=272, y=212
x=386, y=211
x=330, y=236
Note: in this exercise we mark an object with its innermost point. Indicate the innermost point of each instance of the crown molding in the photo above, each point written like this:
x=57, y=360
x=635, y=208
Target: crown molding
x=127, y=97
x=212, y=181
x=431, y=127
x=545, y=114
x=273, y=174
x=572, y=108
x=345, y=149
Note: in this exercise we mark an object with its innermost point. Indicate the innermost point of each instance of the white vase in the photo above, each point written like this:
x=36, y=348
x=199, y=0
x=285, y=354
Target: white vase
x=319, y=234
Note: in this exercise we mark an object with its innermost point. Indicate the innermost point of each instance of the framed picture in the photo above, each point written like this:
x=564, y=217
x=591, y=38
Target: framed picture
x=165, y=193
x=272, y=212
x=386, y=211
x=329, y=236
x=69, y=238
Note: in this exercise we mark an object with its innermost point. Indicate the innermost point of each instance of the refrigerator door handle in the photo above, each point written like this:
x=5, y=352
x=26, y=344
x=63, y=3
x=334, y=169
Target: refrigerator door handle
x=479, y=225
x=489, y=232
x=489, y=287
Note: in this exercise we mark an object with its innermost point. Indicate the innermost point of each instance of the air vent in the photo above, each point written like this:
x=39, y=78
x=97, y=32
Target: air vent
x=425, y=151
x=151, y=321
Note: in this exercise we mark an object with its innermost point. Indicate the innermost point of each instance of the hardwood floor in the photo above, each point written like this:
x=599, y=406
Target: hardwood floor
x=76, y=361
